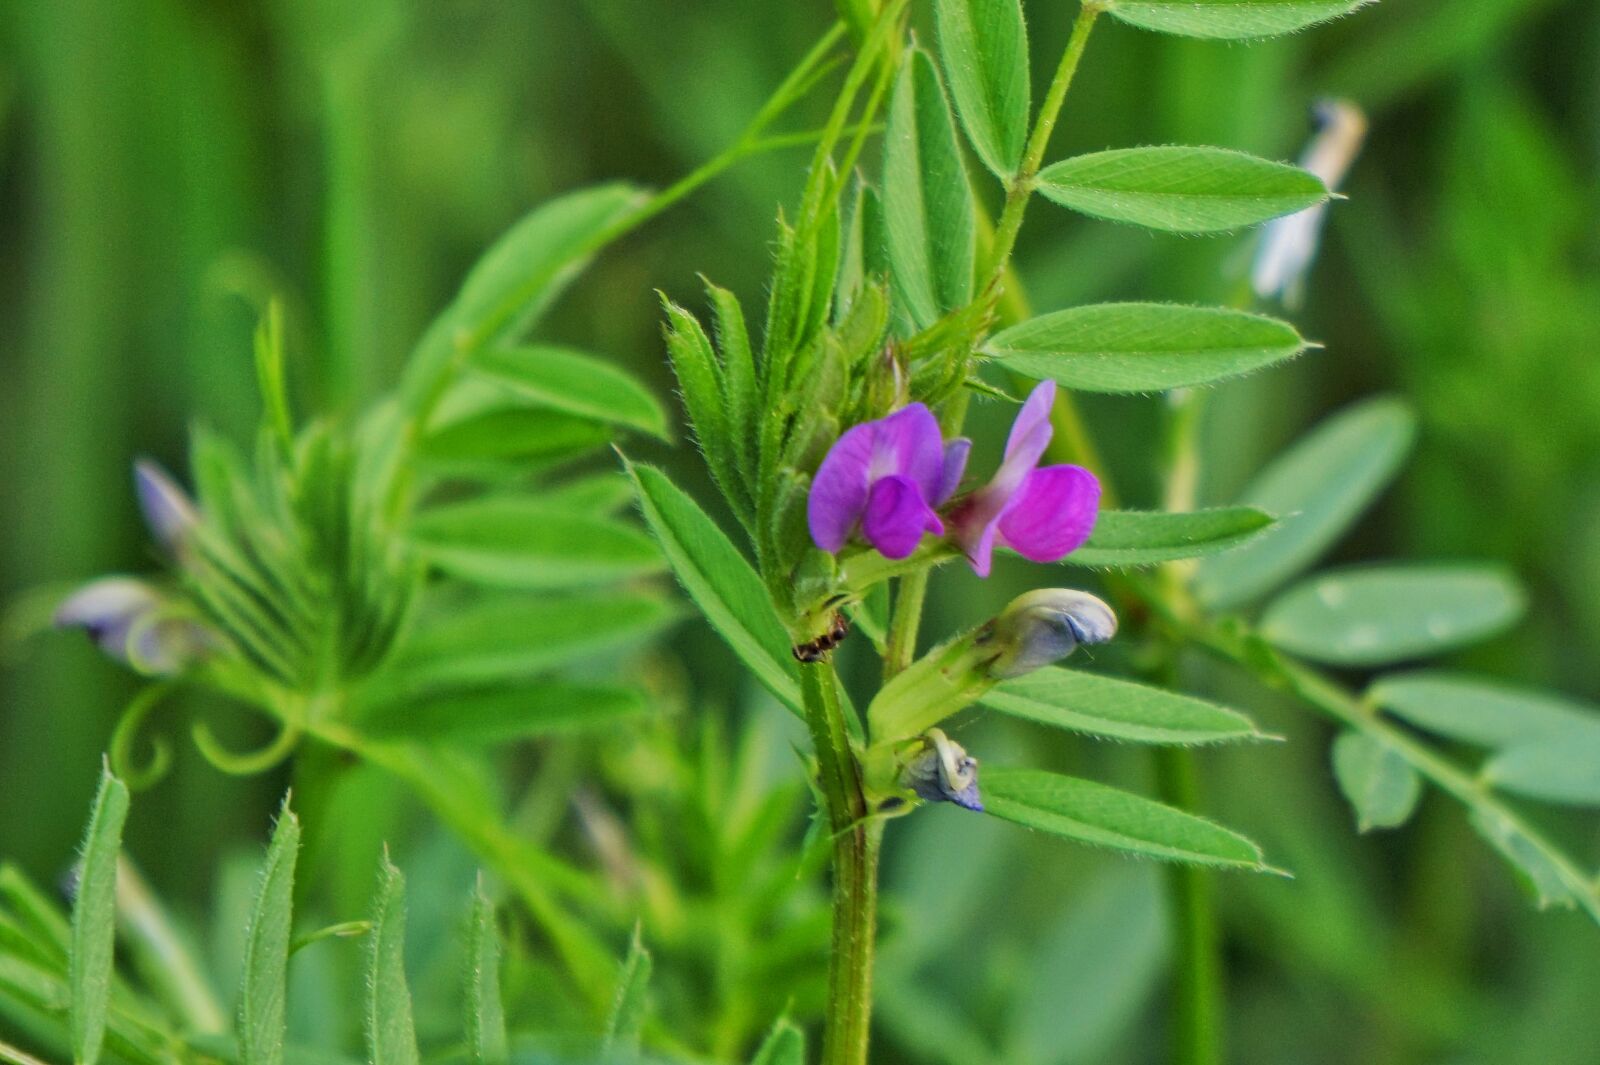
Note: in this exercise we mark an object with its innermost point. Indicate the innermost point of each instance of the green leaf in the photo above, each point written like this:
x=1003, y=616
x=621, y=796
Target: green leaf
x=1124, y=538
x=391, y=1032
x=1229, y=19
x=1107, y=817
x=739, y=378
x=984, y=45
x=1561, y=769
x=1119, y=709
x=701, y=384
x=1541, y=875
x=520, y=542
x=566, y=380
x=1181, y=189
x=1376, y=615
x=511, y=433
x=1377, y=780
x=94, y=916
x=1318, y=488
x=529, y=710
x=1144, y=347
x=264, y=989
x=720, y=581
x=486, y=1020
x=1478, y=710
x=602, y=493
x=785, y=1044
x=929, y=223
x=628, y=1007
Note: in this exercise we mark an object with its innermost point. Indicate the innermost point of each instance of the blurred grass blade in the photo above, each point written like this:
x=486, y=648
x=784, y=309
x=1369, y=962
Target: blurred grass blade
x=1144, y=347
x=486, y=1021
x=577, y=383
x=264, y=990
x=93, y=944
x=514, y=541
x=929, y=222
x=391, y=1032
x=1093, y=813
x=785, y=1044
x=1229, y=19
x=1377, y=615
x=1118, y=709
x=984, y=45
x=1560, y=769
x=1181, y=189
x=1481, y=710
x=1318, y=489
x=1141, y=538
x=720, y=581
x=527, y=710
x=1378, y=781
x=626, y=1022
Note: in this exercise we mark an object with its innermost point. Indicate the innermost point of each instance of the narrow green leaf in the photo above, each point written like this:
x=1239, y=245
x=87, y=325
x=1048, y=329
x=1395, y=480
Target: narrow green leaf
x=720, y=581
x=1562, y=769
x=929, y=222
x=486, y=1019
x=1229, y=19
x=521, y=542
x=1135, y=538
x=574, y=382
x=785, y=1044
x=1118, y=709
x=739, y=379
x=1107, y=817
x=391, y=1032
x=705, y=398
x=984, y=45
x=1480, y=710
x=628, y=1007
x=1144, y=347
x=603, y=493
x=1181, y=189
x=1541, y=875
x=94, y=913
x=1378, y=781
x=1377, y=615
x=264, y=989
x=1318, y=488
x=508, y=432
x=528, y=710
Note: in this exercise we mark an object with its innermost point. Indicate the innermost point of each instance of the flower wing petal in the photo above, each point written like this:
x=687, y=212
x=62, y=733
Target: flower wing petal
x=909, y=444
x=839, y=490
x=1052, y=513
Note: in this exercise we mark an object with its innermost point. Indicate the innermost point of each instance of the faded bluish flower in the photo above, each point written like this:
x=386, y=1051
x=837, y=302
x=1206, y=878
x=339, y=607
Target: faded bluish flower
x=1044, y=513
x=1289, y=245
x=884, y=478
x=1045, y=626
x=133, y=623
x=943, y=772
x=168, y=510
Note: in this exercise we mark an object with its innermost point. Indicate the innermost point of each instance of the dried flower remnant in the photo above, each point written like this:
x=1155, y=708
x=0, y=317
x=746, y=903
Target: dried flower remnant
x=943, y=772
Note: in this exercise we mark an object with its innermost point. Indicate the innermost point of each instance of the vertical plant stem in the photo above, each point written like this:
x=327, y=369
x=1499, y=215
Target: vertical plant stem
x=1197, y=993
x=900, y=646
x=856, y=841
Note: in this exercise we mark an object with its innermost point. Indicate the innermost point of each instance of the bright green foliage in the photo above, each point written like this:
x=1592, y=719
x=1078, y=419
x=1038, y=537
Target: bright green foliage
x=391, y=1032
x=264, y=989
x=1144, y=347
x=1107, y=817
x=1140, y=538
x=984, y=45
x=486, y=1021
x=927, y=202
x=1378, y=781
x=700, y=380
x=94, y=915
x=784, y=1045
x=1319, y=487
x=1180, y=189
x=1118, y=709
x=516, y=541
x=1229, y=19
x=1382, y=614
x=628, y=1007
x=574, y=382
x=526, y=710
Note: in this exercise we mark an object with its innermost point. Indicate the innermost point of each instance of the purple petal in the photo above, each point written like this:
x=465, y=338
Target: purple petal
x=168, y=511
x=839, y=490
x=107, y=609
x=1030, y=435
x=955, y=465
x=897, y=516
x=980, y=547
x=909, y=444
x=1052, y=513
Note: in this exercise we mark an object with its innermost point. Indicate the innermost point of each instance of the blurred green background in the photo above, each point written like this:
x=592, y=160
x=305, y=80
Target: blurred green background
x=166, y=164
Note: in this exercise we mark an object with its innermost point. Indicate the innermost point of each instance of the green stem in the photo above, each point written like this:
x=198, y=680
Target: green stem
x=1197, y=994
x=856, y=842
x=900, y=647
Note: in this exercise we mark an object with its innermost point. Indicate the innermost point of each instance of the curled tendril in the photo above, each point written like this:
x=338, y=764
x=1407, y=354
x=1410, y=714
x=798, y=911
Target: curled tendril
x=123, y=737
x=248, y=763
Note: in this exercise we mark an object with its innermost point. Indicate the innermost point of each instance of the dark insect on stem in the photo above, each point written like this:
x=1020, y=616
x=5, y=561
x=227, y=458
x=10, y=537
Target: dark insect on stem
x=816, y=650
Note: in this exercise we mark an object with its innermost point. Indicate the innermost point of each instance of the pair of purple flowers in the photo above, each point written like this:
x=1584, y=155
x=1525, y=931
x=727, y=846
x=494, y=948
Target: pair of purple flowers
x=889, y=479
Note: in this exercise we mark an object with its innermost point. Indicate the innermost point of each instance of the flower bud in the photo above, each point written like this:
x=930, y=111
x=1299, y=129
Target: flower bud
x=1046, y=626
x=943, y=772
x=168, y=510
x=133, y=623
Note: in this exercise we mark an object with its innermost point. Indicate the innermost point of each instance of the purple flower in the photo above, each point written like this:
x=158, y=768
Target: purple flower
x=168, y=510
x=133, y=623
x=1042, y=514
x=885, y=477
